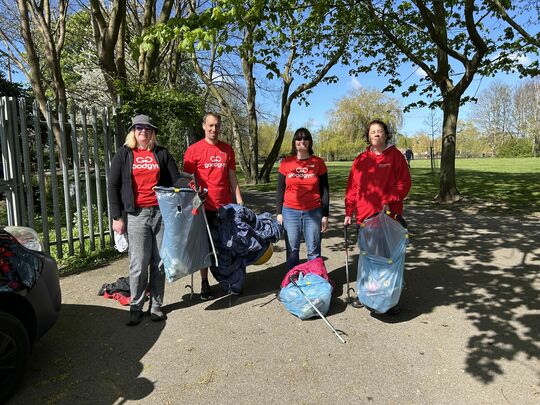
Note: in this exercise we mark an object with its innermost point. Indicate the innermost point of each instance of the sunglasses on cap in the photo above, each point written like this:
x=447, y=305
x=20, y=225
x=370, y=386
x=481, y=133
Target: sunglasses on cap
x=141, y=127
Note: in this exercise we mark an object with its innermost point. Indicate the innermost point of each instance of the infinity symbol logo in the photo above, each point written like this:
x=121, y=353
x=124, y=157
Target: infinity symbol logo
x=215, y=159
x=301, y=170
x=141, y=159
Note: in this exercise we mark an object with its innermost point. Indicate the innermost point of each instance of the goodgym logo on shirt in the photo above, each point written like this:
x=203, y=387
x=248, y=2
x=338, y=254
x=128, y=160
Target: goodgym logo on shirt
x=215, y=161
x=145, y=163
x=301, y=172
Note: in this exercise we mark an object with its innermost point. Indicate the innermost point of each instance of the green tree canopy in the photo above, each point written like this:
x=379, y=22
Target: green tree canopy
x=176, y=114
x=450, y=42
x=8, y=89
x=342, y=138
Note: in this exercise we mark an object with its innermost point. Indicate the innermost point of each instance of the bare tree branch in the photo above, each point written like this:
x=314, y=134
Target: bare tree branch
x=511, y=21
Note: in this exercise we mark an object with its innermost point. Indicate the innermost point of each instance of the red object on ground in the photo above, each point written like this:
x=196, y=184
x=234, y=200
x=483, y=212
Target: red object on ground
x=122, y=299
x=315, y=266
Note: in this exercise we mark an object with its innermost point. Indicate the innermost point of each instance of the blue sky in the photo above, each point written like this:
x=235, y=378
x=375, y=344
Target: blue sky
x=324, y=97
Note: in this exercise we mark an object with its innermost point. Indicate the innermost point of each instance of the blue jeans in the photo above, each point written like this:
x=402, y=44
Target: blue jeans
x=296, y=224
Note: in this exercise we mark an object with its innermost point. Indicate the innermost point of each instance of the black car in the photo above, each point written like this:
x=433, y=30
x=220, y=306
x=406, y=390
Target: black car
x=30, y=301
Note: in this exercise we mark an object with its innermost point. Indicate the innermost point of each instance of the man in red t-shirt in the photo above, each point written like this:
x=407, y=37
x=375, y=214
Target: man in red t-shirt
x=214, y=166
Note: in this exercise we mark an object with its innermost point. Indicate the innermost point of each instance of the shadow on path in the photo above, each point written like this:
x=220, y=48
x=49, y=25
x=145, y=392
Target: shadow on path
x=93, y=355
x=489, y=268
x=486, y=266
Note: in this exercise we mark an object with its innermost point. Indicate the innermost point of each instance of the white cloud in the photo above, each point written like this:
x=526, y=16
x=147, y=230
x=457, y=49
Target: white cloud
x=355, y=84
x=420, y=72
x=221, y=78
x=523, y=59
x=517, y=57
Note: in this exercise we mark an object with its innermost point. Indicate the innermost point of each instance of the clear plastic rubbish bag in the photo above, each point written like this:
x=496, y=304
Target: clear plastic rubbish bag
x=382, y=242
x=120, y=242
x=316, y=288
x=185, y=248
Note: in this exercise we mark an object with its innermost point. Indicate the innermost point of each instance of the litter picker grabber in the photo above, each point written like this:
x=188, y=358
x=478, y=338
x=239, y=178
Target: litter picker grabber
x=291, y=279
x=349, y=289
x=198, y=205
x=210, y=236
x=211, y=243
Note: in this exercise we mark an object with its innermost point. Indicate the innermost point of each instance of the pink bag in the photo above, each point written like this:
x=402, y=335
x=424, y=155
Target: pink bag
x=315, y=266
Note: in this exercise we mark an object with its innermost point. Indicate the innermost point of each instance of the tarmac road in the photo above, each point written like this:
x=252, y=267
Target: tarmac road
x=468, y=333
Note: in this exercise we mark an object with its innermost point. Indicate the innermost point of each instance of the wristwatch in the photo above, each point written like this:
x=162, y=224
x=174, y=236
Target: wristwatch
x=117, y=218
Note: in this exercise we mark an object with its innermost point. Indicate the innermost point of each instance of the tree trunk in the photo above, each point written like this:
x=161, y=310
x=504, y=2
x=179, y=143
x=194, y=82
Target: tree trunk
x=241, y=159
x=264, y=175
x=253, y=129
x=148, y=59
x=448, y=191
x=108, y=32
x=52, y=61
x=286, y=100
x=120, y=54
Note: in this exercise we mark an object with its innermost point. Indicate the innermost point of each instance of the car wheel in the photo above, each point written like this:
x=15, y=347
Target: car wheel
x=14, y=353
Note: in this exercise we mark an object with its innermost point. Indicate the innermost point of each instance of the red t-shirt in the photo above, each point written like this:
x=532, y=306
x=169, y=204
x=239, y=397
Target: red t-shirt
x=211, y=165
x=302, y=182
x=144, y=175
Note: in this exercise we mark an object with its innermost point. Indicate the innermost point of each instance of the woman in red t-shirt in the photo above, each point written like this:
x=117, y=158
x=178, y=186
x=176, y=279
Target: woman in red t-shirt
x=302, y=198
x=138, y=166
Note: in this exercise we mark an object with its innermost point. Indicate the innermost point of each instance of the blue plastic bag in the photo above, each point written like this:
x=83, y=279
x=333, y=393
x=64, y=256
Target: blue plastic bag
x=185, y=247
x=316, y=288
x=382, y=242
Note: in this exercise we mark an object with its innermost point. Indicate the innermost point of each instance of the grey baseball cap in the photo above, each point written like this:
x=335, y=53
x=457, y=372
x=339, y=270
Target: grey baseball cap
x=142, y=119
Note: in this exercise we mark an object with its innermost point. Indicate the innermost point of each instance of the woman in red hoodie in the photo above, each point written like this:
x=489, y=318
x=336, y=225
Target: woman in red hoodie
x=379, y=178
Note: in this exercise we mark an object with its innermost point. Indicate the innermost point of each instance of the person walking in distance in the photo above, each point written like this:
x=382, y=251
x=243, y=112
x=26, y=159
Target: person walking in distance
x=409, y=155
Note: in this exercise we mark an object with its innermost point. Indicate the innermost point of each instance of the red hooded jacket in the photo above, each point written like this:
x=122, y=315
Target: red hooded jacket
x=375, y=180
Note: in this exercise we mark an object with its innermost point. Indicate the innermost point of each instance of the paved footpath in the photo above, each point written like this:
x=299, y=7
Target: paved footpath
x=468, y=334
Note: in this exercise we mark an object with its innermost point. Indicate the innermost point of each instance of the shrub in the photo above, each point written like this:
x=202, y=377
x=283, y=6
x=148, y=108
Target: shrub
x=515, y=148
x=173, y=112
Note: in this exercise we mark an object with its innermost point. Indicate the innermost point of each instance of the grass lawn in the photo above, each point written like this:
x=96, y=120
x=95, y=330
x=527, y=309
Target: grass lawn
x=504, y=185
x=495, y=184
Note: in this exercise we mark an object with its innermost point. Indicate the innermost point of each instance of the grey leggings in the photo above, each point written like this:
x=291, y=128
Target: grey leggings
x=145, y=234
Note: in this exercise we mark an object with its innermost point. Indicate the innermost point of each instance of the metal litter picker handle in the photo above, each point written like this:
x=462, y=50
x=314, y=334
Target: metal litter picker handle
x=291, y=279
x=201, y=207
x=196, y=186
x=349, y=289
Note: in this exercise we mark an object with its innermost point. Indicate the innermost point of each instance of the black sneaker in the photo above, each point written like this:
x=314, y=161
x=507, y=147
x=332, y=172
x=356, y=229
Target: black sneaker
x=157, y=315
x=356, y=303
x=135, y=318
x=206, y=292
